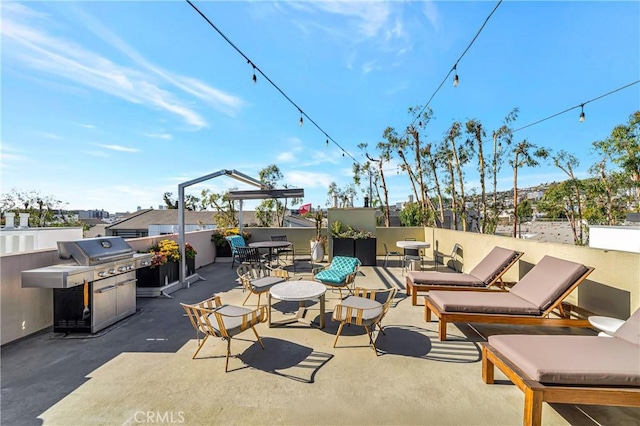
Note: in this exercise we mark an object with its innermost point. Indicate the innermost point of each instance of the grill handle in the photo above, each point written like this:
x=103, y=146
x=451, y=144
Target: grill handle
x=106, y=289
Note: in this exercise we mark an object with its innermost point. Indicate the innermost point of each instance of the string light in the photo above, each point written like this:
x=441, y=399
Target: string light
x=259, y=71
x=581, y=106
x=455, y=76
x=455, y=80
x=327, y=143
x=255, y=79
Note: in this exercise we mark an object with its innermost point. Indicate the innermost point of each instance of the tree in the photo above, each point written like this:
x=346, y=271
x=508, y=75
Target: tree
x=623, y=149
x=44, y=210
x=191, y=202
x=225, y=214
x=563, y=196
x=384, y=156
x=502, y=139
x=475, y=130
x=524, y=212
x=567, y=163
x=523, y=155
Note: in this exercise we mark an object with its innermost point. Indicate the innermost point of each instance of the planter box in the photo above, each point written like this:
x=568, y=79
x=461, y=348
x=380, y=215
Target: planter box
x=158, y=276
x=344, y=247
x=366, y=251
x=223, y=251
x=191, y=266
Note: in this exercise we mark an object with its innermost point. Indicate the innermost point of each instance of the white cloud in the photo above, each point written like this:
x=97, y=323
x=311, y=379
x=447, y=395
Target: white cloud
x=286, y=157
x=86, y=126
x=119, y=148
x=308, y=179
x=430, y=10
x=27, y=43
x=165, y=136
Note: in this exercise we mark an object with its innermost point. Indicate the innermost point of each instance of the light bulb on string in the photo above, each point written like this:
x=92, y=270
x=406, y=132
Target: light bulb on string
x=582, y=117
x=254, y=78
x=301, y=120
x=327, y=142
x=456, y=80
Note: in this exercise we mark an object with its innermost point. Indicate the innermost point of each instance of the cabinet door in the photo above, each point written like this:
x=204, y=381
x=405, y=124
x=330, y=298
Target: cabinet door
x=126, y=296
x=103, y=303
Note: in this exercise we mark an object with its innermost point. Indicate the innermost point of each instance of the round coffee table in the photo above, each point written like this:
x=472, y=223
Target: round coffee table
x=298, y=291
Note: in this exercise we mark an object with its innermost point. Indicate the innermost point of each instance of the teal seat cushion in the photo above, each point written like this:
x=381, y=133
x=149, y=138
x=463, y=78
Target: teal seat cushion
x=333, y=276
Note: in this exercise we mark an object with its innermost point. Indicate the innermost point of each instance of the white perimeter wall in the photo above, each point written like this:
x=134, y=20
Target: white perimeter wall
x=623, y=238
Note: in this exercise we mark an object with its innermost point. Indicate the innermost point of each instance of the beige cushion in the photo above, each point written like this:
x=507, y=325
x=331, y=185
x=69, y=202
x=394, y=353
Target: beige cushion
x=572, y=360
x=493, y=264
x=443, y=278
x=371, y=309
x=485, y=302
x=546, y=281
x=630, y=330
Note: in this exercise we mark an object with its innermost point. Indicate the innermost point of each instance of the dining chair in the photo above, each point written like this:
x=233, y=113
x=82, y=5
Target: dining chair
x=388, y=253
x=286, y=251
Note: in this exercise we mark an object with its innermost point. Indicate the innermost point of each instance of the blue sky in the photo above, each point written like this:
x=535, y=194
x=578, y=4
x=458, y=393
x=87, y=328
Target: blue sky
x=108, y=105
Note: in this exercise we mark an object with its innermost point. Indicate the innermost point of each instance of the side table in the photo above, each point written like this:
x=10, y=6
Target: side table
x=606, y=325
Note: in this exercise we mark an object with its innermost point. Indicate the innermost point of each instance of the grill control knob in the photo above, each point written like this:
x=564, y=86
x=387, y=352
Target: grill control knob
x=123, y=268
x=102, y=274
x=112, y=271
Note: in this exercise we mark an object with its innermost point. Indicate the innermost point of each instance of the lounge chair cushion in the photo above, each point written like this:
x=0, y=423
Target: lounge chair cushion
x=371, y=309
x=233, y=322
x=444, y=278
x=338, y=270
x=546, y=281
x=265, y=283
x=490, y=302
x=493, y=264
x=630, y=330
x=572, y=360
x=331, y=276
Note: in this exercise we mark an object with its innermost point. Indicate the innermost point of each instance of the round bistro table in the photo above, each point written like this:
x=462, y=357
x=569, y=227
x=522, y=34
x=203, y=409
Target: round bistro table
x=271, y=245
x=298, y=291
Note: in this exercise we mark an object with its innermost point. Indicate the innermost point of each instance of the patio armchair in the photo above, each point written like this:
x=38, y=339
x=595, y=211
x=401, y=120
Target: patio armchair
x=365, y=308
x=341, y=272
x=286, y=251
x=258, y=278
x=235, y=241
x=211, y=318
x=487, y=273
x=249, y=255
x=388, y=253
x=588, y=370
x=531, y=301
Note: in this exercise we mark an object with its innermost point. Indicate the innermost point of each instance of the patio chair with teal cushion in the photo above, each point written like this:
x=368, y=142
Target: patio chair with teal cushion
x=340, y=273
x=235, y=241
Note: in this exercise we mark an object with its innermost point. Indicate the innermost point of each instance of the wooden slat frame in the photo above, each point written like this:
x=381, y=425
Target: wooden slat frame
x=536, y=393
x=413, y=289
x=543, y=319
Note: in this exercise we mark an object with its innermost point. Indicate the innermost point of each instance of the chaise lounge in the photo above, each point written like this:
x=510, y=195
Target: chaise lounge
x=588, y=370
x=530, y=302
x=487, y=273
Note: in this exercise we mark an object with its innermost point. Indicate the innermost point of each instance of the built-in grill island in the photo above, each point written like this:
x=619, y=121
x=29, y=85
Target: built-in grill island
x=95, y=288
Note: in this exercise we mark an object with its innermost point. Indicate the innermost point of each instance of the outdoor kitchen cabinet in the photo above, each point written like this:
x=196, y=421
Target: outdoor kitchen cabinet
x=114, y=299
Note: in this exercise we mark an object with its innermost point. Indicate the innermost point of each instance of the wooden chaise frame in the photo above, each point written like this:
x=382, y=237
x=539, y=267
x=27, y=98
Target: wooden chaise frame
x=535, y=393
x=564, y=319
x=413, y=288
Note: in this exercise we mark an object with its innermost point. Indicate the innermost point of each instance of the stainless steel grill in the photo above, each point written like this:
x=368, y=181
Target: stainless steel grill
x=95, y=287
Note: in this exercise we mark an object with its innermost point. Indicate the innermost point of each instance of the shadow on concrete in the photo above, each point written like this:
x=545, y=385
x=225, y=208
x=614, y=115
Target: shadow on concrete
x=286, y=359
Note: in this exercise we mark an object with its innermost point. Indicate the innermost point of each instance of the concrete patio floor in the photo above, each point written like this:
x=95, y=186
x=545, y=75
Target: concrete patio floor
x=140, y=370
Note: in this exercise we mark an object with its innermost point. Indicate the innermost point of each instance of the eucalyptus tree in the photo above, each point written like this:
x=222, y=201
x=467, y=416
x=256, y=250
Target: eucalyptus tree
x=567, y=163
x=342, y=194
x=271, y=210
x=502, y=139
x=562, y=196
x=474, y=142
x=458, y=157
x=524, y=154
x=44, y=210
x=623, y=149
x=383, y=157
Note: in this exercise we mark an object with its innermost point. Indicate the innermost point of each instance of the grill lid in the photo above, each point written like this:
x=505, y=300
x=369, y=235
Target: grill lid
x=92, y=251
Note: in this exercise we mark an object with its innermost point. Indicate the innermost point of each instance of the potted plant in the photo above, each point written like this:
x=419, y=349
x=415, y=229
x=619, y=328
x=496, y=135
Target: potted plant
x=164, y=265
x=218, y=237
x=318, y=242
x=353, y=242
x=190, y=255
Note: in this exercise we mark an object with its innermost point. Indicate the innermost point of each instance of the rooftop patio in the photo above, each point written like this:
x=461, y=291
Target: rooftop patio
x=140, y=370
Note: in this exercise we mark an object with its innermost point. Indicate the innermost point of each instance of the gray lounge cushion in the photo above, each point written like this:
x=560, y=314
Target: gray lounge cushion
x=572, y=360
x=493, y=264
x=485, y=302
x=371, y=309
x=546, y=281
x=444, y=278
x=265, y=283
x=630, y=330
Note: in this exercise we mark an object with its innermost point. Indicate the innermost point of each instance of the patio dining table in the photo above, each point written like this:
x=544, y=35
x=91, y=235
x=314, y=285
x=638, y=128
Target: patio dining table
x=271, y=245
